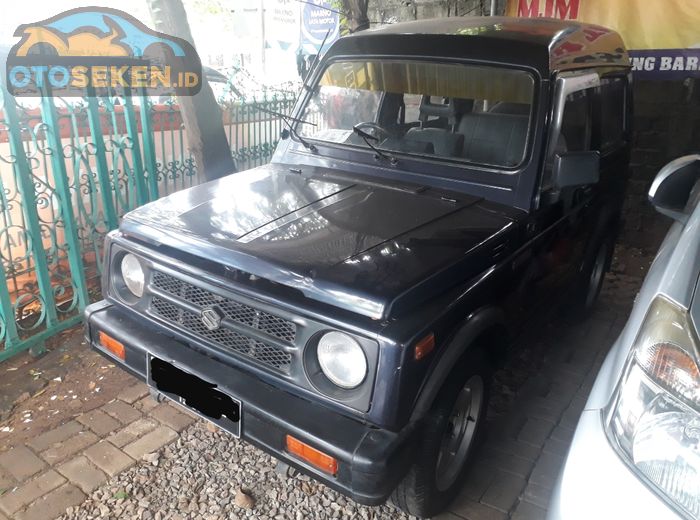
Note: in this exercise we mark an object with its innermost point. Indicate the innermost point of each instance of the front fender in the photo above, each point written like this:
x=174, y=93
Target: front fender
x=480, y=321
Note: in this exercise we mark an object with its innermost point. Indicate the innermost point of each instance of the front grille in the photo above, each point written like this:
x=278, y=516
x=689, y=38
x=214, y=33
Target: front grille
x=257, y=349
x=235, y=311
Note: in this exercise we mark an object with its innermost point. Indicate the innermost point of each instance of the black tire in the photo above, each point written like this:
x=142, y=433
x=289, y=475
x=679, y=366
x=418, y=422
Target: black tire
x=592, y=274
x=419, y=493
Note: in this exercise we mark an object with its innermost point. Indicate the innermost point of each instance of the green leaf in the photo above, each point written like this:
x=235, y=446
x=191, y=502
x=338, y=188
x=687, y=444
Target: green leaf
x=121, y=494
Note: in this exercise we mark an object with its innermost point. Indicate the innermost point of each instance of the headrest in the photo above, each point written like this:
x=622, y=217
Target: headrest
x=448, y=110
x=451, y=110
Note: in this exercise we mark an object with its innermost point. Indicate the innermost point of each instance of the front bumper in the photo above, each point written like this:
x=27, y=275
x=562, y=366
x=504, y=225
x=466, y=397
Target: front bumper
x=371, y=461
x=596, y=483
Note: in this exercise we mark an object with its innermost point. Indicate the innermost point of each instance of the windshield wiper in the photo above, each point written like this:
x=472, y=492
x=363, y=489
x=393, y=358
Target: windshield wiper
x=288, y=121
x=367, y=138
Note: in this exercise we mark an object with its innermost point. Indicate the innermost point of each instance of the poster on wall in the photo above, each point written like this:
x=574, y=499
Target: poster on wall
x=662, y=37
x=282, y=19
x=318, y=19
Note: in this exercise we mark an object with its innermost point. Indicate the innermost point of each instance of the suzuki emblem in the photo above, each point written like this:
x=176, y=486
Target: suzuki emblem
x=211, y=318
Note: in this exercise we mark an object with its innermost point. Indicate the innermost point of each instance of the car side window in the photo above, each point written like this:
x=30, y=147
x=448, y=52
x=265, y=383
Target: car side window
x=612, y=112
x=575, y=135
x=575, y=132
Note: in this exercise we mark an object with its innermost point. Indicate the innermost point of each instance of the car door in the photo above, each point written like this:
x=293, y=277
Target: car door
x=560, y=224
x=612, y=136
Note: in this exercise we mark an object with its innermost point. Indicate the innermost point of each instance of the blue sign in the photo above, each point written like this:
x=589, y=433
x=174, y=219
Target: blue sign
x=318, y=19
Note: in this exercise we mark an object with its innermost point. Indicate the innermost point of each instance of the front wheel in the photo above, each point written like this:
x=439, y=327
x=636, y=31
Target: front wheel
x=452, y=431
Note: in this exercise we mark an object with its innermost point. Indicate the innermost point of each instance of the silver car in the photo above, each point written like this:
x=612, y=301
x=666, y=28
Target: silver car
x=636, y=451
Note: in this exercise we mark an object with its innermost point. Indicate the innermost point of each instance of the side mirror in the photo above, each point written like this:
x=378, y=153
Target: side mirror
x=576, y=169
x=670, y=191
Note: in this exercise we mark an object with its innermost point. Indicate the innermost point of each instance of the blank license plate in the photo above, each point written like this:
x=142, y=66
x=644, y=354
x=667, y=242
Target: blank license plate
x=195, y=394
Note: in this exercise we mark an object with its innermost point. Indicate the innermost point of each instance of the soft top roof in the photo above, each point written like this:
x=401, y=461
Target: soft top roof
x=548, y=45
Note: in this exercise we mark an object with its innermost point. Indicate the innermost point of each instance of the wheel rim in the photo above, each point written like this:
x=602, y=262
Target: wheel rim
x=596, y=275
x=459, y=435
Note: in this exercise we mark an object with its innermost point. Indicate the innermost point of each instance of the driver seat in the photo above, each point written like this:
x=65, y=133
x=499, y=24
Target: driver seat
x=446, y=143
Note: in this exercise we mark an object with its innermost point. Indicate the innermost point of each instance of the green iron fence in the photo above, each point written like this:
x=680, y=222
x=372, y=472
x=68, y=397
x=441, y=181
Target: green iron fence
x=252, y=132
x=69, y=171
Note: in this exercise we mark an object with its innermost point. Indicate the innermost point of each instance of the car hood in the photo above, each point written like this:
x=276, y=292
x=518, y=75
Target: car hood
x=367, y=247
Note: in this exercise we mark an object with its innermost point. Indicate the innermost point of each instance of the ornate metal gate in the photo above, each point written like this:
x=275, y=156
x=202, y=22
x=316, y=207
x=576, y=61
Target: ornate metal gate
x=69, y=171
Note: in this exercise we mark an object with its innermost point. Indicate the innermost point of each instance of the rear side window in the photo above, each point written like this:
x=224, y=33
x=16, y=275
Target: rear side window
x=576, y=124
x=575, y=132
x=612, y=111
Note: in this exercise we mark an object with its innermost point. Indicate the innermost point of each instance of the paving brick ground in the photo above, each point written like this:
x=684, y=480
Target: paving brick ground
x=537, y=404
x=56, y=469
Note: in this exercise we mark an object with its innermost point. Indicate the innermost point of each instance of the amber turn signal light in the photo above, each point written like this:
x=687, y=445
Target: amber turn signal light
x=112, y=345
x=312, y=455
x=424, y=347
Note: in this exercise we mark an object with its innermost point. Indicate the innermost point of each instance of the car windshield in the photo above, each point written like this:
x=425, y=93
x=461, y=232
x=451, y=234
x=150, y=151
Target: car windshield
x=477, y=114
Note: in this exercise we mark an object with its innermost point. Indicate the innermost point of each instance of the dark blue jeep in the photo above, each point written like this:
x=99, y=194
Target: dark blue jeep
x=344, y=306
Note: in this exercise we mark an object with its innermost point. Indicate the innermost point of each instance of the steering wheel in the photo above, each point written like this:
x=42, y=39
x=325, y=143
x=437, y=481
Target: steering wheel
x=377, y=128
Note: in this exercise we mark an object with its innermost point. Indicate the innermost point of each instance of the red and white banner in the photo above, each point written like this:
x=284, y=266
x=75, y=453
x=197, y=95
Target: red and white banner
x=663, y=36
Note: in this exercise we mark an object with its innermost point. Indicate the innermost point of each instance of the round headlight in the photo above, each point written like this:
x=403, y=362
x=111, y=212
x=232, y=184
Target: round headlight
x=132, y=274
x=342, y=360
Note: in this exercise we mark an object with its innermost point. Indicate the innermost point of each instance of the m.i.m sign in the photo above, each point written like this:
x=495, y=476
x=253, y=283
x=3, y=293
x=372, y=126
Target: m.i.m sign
x=662, y=37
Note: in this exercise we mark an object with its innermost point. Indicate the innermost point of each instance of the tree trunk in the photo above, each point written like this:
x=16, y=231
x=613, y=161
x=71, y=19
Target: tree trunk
x=201, y=114
x=355, y=14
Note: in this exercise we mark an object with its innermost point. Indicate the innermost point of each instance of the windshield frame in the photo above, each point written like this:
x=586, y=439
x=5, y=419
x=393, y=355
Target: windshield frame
x=403, y=157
